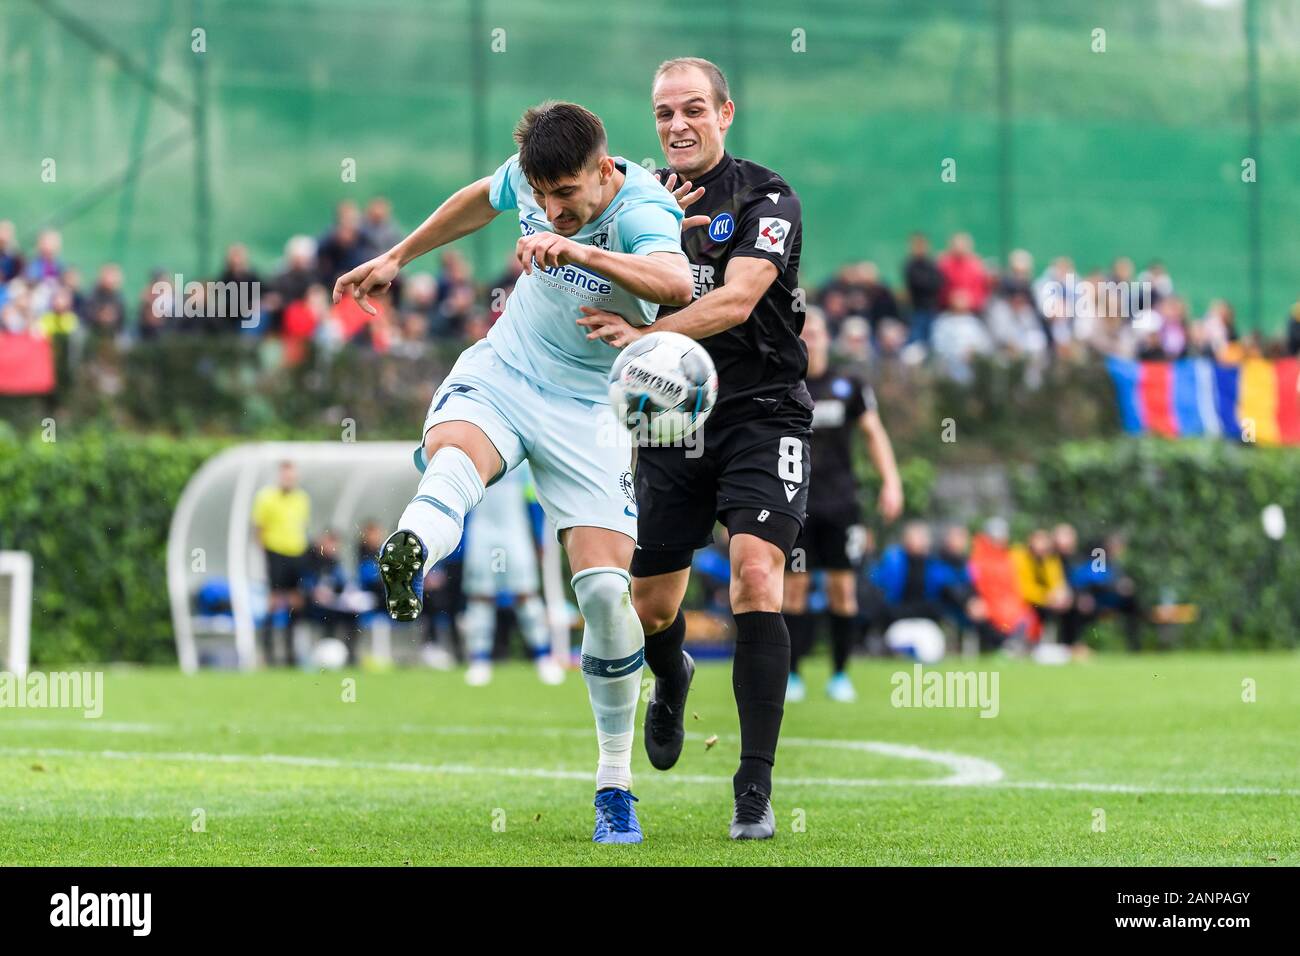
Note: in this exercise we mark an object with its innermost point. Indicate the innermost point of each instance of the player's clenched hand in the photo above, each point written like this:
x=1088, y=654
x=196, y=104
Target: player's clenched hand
x=369, y=278
x=612, y=329
x=685, y=196
x=548, y=250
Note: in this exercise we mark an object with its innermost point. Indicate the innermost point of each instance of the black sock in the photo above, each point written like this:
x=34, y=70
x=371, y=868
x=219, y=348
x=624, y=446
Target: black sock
x=758, y=678
x=800, y=627
x=843, y=631
x=663, y=655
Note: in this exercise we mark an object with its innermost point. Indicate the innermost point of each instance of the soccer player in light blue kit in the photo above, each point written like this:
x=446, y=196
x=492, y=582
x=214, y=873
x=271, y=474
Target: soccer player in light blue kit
x=597, y=231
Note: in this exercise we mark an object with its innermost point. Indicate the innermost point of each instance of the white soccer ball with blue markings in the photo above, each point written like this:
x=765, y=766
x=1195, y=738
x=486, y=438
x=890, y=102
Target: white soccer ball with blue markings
x=662, y=387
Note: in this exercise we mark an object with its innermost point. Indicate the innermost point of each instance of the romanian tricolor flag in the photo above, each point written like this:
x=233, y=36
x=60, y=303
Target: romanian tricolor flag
x=1256, y=400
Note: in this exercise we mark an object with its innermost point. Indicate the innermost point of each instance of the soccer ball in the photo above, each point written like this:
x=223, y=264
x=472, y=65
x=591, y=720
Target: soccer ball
x=330, y=654
x=663, y=387
x=917, y=638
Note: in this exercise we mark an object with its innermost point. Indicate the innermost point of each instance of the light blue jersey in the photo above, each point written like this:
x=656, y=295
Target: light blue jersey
x=538, y=334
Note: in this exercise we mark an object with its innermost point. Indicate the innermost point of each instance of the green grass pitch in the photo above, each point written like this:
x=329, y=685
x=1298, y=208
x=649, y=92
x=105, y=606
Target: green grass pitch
x=276, y=768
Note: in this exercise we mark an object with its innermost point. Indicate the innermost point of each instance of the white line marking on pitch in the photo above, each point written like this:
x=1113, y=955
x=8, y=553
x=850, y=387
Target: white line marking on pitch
x=967, y=771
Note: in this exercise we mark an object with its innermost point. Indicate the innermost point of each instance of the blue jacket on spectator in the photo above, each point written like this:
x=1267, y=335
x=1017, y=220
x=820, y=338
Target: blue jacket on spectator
x=890, y=575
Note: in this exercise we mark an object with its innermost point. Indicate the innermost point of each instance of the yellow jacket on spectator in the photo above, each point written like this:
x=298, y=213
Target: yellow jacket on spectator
x=281, y=518
x=58, y=323
x=1037, y=577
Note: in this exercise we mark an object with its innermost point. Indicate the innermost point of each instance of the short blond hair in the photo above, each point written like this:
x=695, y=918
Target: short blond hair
x=717, y=81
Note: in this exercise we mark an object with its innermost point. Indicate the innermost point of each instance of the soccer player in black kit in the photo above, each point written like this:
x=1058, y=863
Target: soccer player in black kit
x=845, y=405
x=750, y=465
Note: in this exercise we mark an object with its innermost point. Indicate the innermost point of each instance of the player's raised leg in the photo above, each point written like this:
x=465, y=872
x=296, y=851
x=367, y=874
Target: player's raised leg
x=461, y=461
x=613, y=650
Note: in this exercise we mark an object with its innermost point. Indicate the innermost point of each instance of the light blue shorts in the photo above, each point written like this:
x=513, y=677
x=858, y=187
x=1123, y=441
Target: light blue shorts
x=580, y=455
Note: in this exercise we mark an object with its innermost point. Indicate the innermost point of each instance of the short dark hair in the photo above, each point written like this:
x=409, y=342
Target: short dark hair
x=557, y=140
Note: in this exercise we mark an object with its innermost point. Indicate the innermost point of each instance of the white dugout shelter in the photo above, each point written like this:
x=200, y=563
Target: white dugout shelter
x=349, y=483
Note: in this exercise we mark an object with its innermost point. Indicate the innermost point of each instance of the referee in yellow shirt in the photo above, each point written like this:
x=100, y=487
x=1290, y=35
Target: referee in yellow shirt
x=280, y=515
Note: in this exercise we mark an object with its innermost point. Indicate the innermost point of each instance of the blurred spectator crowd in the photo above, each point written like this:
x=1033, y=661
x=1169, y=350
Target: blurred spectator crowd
x=947, y=309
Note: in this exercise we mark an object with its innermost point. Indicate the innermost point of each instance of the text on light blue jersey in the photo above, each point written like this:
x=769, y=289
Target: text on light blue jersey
x=538, y=334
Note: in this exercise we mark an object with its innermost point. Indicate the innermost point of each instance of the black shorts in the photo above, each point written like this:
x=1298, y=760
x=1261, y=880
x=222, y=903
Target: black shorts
x=823, y=544
x=752, y=475
x=284, y=572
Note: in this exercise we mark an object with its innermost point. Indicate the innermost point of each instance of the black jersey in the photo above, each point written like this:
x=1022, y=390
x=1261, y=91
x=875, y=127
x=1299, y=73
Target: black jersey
x=761, y=362
x=840, y=401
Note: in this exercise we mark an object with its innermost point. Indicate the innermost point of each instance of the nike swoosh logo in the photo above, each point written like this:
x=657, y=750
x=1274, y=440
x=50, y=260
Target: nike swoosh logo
x=627, y=510
x=611, y=669
x=790, y=492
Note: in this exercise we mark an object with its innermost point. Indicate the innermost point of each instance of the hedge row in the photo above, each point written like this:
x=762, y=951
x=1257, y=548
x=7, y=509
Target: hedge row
x=1192, y=512
x=94, y=513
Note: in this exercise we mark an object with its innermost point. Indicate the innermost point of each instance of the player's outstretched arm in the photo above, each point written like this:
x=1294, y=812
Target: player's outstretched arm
x=466, y=210
x=730, y=304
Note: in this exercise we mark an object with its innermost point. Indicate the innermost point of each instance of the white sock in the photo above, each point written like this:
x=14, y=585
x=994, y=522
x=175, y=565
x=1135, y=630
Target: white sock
x=532, y=621
x=613, y=651
x=449, y=489
x=480, y=624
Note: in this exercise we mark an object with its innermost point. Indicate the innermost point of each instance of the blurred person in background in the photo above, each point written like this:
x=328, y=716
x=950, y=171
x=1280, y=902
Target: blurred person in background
x=958, y=337
x=325, y=585
x=379, y=232
x=341, y=249
x=924, y=284
x=844, y=406
x=847, y=284
x=882, y=305
x=420, y=296
x=1102, y=586
x=1040, y=574
x=280, y=515
x=993, y=572
x=236, y=273
x=1123, y=278
x=1293, y=330
x=46, y=265
x=1218, y=327
x=501, y=558
x=916, y=583
x=1017, y=328
x=292, y=282
x=1055, y=294
x=1173, y=329
x=457, y=296
x=1156, y=282
x=963, y=274
x=12, y=261
x=966, y=609
x=105, y=307
x=853, y=344
x=156, y=303
x=307, y=319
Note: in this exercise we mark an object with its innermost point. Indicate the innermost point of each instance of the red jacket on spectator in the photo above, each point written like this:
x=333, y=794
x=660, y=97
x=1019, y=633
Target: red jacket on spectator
x=964, y=272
